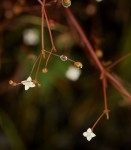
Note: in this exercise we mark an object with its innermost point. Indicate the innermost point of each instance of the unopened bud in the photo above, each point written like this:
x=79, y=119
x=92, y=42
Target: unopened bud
x=39, y=85
x=78, y=64
x=52, y=24
x=99, y=53
x=44, y=70
x=66, y=3
x=11, y=82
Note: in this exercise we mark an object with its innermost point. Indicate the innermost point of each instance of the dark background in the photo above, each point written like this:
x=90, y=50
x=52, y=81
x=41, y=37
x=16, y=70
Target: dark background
x=55, y=116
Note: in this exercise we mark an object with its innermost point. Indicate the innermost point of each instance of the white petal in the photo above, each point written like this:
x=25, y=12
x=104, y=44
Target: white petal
x=26, y=87
x=85, y=134
x=89, y=130
x=92, y=134
x=89, y=134
x=29, y=79
x=32, y=84
x=23, y=82
x=89, y=138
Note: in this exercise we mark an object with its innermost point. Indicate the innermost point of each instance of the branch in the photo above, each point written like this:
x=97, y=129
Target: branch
x=76, y=25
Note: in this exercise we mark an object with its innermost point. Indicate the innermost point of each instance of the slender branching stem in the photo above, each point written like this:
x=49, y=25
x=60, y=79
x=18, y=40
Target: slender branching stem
x=51, y=38
x=50, y=33
x=49, y=29
x=103, y=78
x=98, y=120
x=118, y=85
x=48, y=25
x=59, y=56
x=42, y=27
x=42, y=30
x=89, y=49
x=84, y=38
x=48, y=58
x=118, y=61
x=38, y=68
x=34, y=65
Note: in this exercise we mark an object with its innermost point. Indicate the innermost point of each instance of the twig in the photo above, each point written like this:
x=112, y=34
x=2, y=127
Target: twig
x=84, y=38
x=114, y=81
x=119, y=60
x=103, y=78
x=98, y=120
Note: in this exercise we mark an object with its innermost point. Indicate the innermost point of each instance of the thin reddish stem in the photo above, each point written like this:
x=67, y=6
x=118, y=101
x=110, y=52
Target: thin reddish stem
x=118, y=85
x=48, y=25
x=114, y=81
x=38, y=68
x=98, y=120
x=48, y=58
x=59, y=56
x=50, y=33
x=42, y=27
x=52, y=53
x=51, y=38
x=42, y=30
x=34, y=65
x=103, y=78
x=49, y=29
x=119, y=60
x=84, y=38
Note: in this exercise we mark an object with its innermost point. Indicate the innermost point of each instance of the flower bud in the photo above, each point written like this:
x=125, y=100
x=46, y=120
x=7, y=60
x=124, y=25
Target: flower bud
x=66, y=3
x=78, y=64
x=44, y=70
x=99, y=53
x=11, y=82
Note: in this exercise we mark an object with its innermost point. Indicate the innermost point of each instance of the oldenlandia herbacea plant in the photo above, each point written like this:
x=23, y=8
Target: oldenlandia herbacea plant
x=32, y=82
x=105, y=72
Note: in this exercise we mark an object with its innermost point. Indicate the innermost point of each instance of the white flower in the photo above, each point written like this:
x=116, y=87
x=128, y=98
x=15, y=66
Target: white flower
x=31, y=37
x=28, y=83
x=89, y=134
x=73, y=73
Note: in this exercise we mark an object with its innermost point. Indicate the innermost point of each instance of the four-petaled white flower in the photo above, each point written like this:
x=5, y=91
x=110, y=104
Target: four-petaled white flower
x=28, y=83
x=89, y=134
